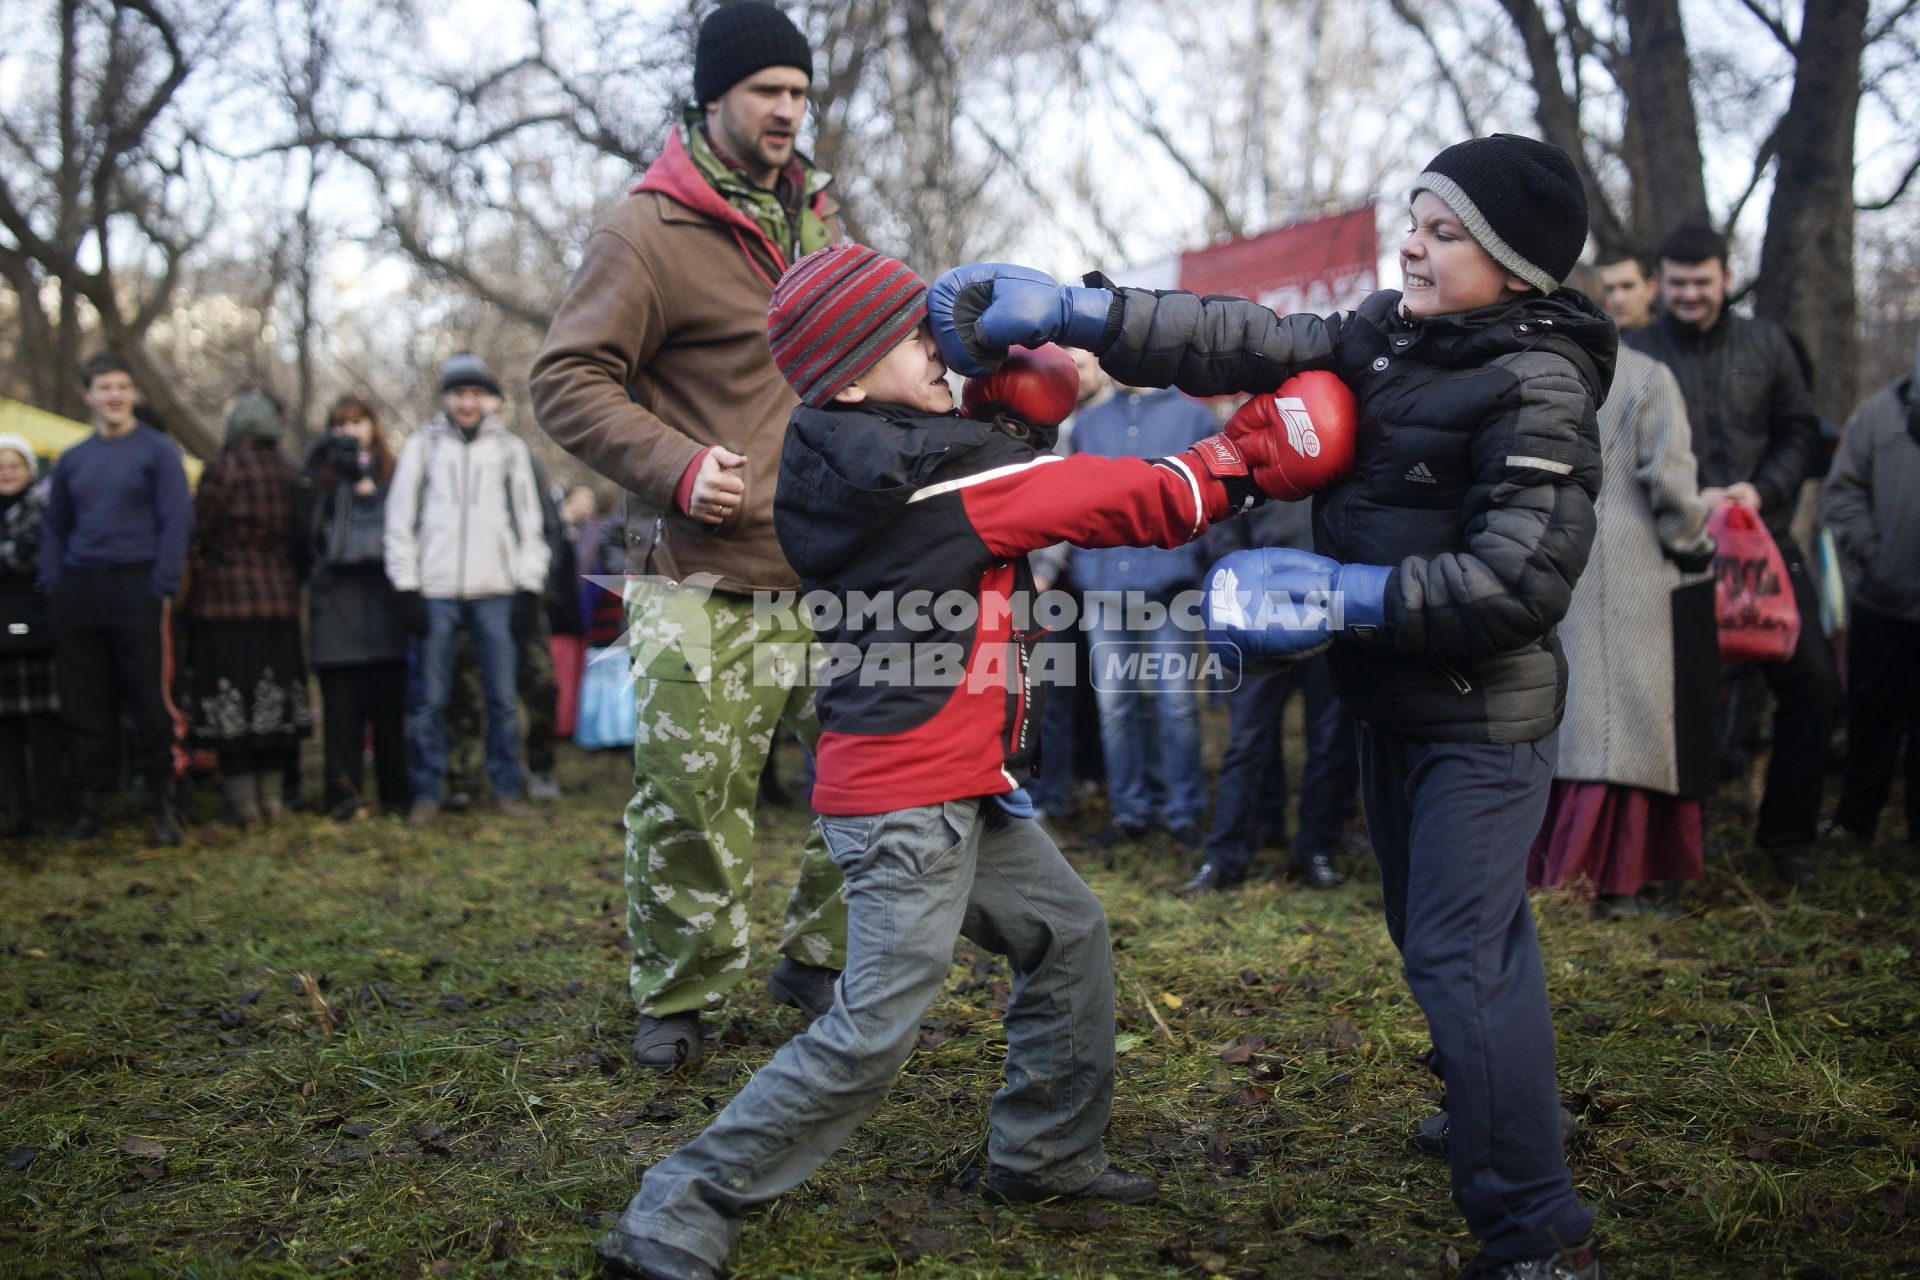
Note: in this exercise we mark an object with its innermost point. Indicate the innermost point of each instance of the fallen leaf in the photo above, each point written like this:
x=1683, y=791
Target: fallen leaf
x=144, y=1149
x=1171, y=1000
x=147, y=1171
x=20, y=1157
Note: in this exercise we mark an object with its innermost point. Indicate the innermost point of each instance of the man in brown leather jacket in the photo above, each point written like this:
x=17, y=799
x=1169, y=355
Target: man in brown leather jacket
x=656, y=373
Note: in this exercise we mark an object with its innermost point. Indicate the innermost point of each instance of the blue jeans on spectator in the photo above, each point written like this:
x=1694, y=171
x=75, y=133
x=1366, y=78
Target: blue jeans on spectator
x=916, y=880
x=1146, y=685
x=1253, y=772
x=490, y=621
x=1451, y=824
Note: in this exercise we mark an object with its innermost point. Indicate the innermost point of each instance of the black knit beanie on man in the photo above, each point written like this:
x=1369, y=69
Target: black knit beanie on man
x=1519, y=198
x=739, y=39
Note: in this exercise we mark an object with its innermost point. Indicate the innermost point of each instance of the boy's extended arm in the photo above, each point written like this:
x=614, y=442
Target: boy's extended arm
x=1215, y=345
x=1088, y=501
x=1528, y=527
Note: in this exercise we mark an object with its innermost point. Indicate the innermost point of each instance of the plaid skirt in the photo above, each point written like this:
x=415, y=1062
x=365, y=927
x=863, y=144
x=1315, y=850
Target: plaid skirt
x=26, y=685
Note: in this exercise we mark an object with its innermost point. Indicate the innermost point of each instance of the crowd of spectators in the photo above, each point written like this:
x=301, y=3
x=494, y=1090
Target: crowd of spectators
x=379, y=580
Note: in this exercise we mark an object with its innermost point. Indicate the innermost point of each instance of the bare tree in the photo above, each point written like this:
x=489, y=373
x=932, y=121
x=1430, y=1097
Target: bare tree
x=98, y=210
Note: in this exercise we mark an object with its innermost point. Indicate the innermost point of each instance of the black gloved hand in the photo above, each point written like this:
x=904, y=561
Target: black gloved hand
x=413, y=612
x=526, y=614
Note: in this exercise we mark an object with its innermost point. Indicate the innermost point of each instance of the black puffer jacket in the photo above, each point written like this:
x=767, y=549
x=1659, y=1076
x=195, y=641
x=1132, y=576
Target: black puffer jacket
x=1478, y=464
x=1747, y=403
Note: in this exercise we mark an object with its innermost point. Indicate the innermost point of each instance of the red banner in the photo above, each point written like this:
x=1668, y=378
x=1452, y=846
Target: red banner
x=1323, y=265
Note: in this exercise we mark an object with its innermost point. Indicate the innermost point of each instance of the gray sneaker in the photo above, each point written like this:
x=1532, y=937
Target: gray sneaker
x=541, y=786
x=422, y=813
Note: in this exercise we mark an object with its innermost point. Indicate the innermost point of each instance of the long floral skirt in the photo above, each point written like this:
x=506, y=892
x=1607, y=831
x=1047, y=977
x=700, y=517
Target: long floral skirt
x=248, y=696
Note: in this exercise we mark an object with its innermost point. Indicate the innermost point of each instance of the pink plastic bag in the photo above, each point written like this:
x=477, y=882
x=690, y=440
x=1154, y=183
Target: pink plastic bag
x=1753, y=601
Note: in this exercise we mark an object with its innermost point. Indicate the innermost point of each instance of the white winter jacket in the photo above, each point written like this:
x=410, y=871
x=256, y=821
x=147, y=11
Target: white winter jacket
x=463, y=520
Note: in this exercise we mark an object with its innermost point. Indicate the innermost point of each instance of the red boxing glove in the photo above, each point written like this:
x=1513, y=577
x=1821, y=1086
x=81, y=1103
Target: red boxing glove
x=1299, y=439
x=1037, y=385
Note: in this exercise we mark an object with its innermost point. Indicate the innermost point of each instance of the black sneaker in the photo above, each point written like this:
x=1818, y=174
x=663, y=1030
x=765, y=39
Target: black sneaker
x=630, y=1257
x=1114, y=834
x=807, y=987
x=166, y=825
x=1434, y=1134
x=1794, y=864
x=1113, y=1183
x=1316, y=871
x=669, y=1042
x=1581, y=1262
x=1208, y=879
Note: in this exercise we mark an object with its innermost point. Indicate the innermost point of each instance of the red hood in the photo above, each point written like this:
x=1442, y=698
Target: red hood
x=675, y=176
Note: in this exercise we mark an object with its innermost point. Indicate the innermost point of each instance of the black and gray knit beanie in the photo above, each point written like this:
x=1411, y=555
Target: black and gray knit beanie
x=1519, y=198
x=467, y=370
x=739, y=39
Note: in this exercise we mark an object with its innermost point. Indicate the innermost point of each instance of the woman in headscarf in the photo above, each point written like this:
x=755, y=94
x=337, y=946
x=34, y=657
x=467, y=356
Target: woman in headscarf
x=32, y=791
x=249, y=698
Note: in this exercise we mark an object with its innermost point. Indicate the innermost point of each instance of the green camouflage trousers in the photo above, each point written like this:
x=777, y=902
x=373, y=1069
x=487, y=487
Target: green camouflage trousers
x=705, y=719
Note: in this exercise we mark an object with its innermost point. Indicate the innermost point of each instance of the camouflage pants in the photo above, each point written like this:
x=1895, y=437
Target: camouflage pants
x=705, y=719
x=466, y=711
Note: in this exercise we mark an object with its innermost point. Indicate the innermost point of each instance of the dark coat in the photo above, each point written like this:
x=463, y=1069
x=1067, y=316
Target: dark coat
x=1747, y=402
x=353, y=618
x=243, y=536
x=1477, y=466
x=1870, y=500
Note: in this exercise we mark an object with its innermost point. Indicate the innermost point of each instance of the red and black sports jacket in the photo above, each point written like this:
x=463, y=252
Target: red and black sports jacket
x=918, y=528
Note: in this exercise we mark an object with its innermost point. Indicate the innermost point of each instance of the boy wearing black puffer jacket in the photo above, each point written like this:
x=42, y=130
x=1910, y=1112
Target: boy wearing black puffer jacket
x=1446, y=559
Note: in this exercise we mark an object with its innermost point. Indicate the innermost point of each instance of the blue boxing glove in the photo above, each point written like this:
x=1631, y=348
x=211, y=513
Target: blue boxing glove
x=977, y=311
x=1275, y=604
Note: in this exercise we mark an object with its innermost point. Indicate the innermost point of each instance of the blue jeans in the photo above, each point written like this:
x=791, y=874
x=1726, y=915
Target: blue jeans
x=490, y=621
x=1451, y=824
x=1145, y=685
x=917, y=879
x=1253, y=783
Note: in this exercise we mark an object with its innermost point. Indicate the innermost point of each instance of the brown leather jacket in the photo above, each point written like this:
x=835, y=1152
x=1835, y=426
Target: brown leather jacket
x=658, y=350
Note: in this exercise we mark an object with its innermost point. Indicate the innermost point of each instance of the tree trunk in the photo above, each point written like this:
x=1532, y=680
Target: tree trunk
x=60, y=390
x=1669, y=185
x=1806, y=263
x=1557, y=115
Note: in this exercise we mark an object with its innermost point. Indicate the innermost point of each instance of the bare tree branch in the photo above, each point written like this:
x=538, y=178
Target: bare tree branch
x=1900, y=189
x=1405, y=12
x=1773, y=24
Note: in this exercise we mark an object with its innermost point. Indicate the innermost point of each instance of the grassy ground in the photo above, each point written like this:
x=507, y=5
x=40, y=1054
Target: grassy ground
x=374, y=1052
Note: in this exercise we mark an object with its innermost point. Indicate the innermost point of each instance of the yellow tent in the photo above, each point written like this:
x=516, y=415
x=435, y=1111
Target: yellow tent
x=52, y=435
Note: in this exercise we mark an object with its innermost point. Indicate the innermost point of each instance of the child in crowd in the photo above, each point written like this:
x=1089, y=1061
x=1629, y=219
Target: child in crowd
x=1448, y=555
x=924, y=752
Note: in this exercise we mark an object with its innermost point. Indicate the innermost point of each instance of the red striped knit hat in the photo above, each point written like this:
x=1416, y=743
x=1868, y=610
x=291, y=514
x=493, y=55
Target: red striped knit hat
x=836, y=312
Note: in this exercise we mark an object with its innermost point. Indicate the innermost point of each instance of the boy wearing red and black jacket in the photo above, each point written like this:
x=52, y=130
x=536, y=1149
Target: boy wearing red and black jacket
x=919, y=522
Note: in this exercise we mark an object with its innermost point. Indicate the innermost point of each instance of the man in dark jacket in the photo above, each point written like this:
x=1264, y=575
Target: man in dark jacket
x=1755, y=434
x=1870, y=508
